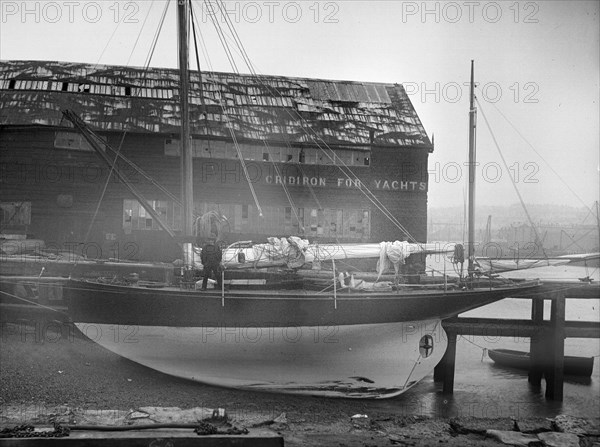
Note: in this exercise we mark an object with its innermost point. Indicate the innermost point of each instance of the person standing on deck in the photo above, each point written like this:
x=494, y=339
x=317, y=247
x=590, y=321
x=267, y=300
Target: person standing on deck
x=211, y=260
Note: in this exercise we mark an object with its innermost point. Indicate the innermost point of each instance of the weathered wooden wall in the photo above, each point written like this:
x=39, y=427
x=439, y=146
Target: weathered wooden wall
x=65, y=187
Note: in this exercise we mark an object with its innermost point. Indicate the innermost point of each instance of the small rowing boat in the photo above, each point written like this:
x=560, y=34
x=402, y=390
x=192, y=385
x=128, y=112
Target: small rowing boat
x=576, y=366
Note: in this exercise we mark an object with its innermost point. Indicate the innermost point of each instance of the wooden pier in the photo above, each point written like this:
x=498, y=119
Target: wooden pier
x=546, y=336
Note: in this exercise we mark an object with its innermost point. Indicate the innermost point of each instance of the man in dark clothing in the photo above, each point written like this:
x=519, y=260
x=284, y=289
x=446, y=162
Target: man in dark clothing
x=211, y=260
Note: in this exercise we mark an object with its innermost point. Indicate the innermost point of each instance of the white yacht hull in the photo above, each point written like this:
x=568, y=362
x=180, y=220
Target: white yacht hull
x=360, y=361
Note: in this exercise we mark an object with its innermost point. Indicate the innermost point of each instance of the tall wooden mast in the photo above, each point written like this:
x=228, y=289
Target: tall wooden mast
x=187, y=193
x=472, y=158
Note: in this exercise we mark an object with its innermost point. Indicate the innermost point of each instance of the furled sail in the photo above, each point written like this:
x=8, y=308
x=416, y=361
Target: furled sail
x=293, y=252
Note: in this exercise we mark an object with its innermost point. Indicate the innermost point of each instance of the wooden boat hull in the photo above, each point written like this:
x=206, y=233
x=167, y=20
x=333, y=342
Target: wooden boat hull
x=362, y=345
x=577, y=366
x=357, y=361
x=91, y=302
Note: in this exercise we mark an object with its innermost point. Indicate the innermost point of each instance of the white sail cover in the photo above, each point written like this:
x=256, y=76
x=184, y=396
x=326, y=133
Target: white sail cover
x=294, y=252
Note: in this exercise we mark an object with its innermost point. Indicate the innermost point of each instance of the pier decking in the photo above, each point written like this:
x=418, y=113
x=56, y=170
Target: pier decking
x=546, y=336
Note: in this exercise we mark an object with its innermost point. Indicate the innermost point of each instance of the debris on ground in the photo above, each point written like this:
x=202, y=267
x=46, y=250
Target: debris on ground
x=356, y=430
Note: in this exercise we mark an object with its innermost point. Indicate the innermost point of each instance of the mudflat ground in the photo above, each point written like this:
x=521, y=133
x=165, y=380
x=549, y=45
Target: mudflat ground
x=47, y=371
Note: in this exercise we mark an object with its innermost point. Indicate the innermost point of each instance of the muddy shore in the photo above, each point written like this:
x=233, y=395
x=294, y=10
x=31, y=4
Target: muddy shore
x=56, y=371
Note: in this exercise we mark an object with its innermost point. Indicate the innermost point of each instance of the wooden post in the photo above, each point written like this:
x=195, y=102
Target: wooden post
x=438, y=371
x=444, y=371
x=536, y=343
x=555, y=369
x=222, y=287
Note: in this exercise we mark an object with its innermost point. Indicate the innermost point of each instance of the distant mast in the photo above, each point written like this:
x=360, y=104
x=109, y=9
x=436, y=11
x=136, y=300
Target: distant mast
x=598, y=222
x=187, y=193
x=472, y=158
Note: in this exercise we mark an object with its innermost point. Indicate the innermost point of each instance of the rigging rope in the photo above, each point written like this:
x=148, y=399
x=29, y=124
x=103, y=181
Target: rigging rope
x=202, y=43
x=301, y=121
x=350, y=175
x=30, y=302
x=112, y=168
x=285, y=189
x=221, y=35
x=110, y=39
x=243, y=163
x=484, y=349
x=200, y=86
x=537, y=235
x=230, y=127
x=302, y=172
x=235, y=35
x=543, y=159
x=157, y=34
x=310, y=188
x=139, y=34
x=118, y=151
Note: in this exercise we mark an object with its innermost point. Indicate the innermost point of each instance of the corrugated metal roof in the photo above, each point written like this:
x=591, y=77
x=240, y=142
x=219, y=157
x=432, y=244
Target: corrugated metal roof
x=263, y=108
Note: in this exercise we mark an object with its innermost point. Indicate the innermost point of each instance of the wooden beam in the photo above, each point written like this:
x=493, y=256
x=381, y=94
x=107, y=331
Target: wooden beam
x=498, y=327
x=159, y=437
x=570, y=289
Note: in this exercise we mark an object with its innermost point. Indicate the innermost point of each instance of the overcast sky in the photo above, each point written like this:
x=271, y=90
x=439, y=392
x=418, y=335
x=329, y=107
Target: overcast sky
x=536, y=63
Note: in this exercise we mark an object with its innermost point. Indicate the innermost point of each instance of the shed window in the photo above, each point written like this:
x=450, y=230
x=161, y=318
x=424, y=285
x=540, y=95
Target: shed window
x=135, y=216
x=74, y=141
x=15, y=214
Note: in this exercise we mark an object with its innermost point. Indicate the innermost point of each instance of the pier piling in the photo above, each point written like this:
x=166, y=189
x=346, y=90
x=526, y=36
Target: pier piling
x=444, y=371
x=537, y=343
x=547, y=338
x=555, y=369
